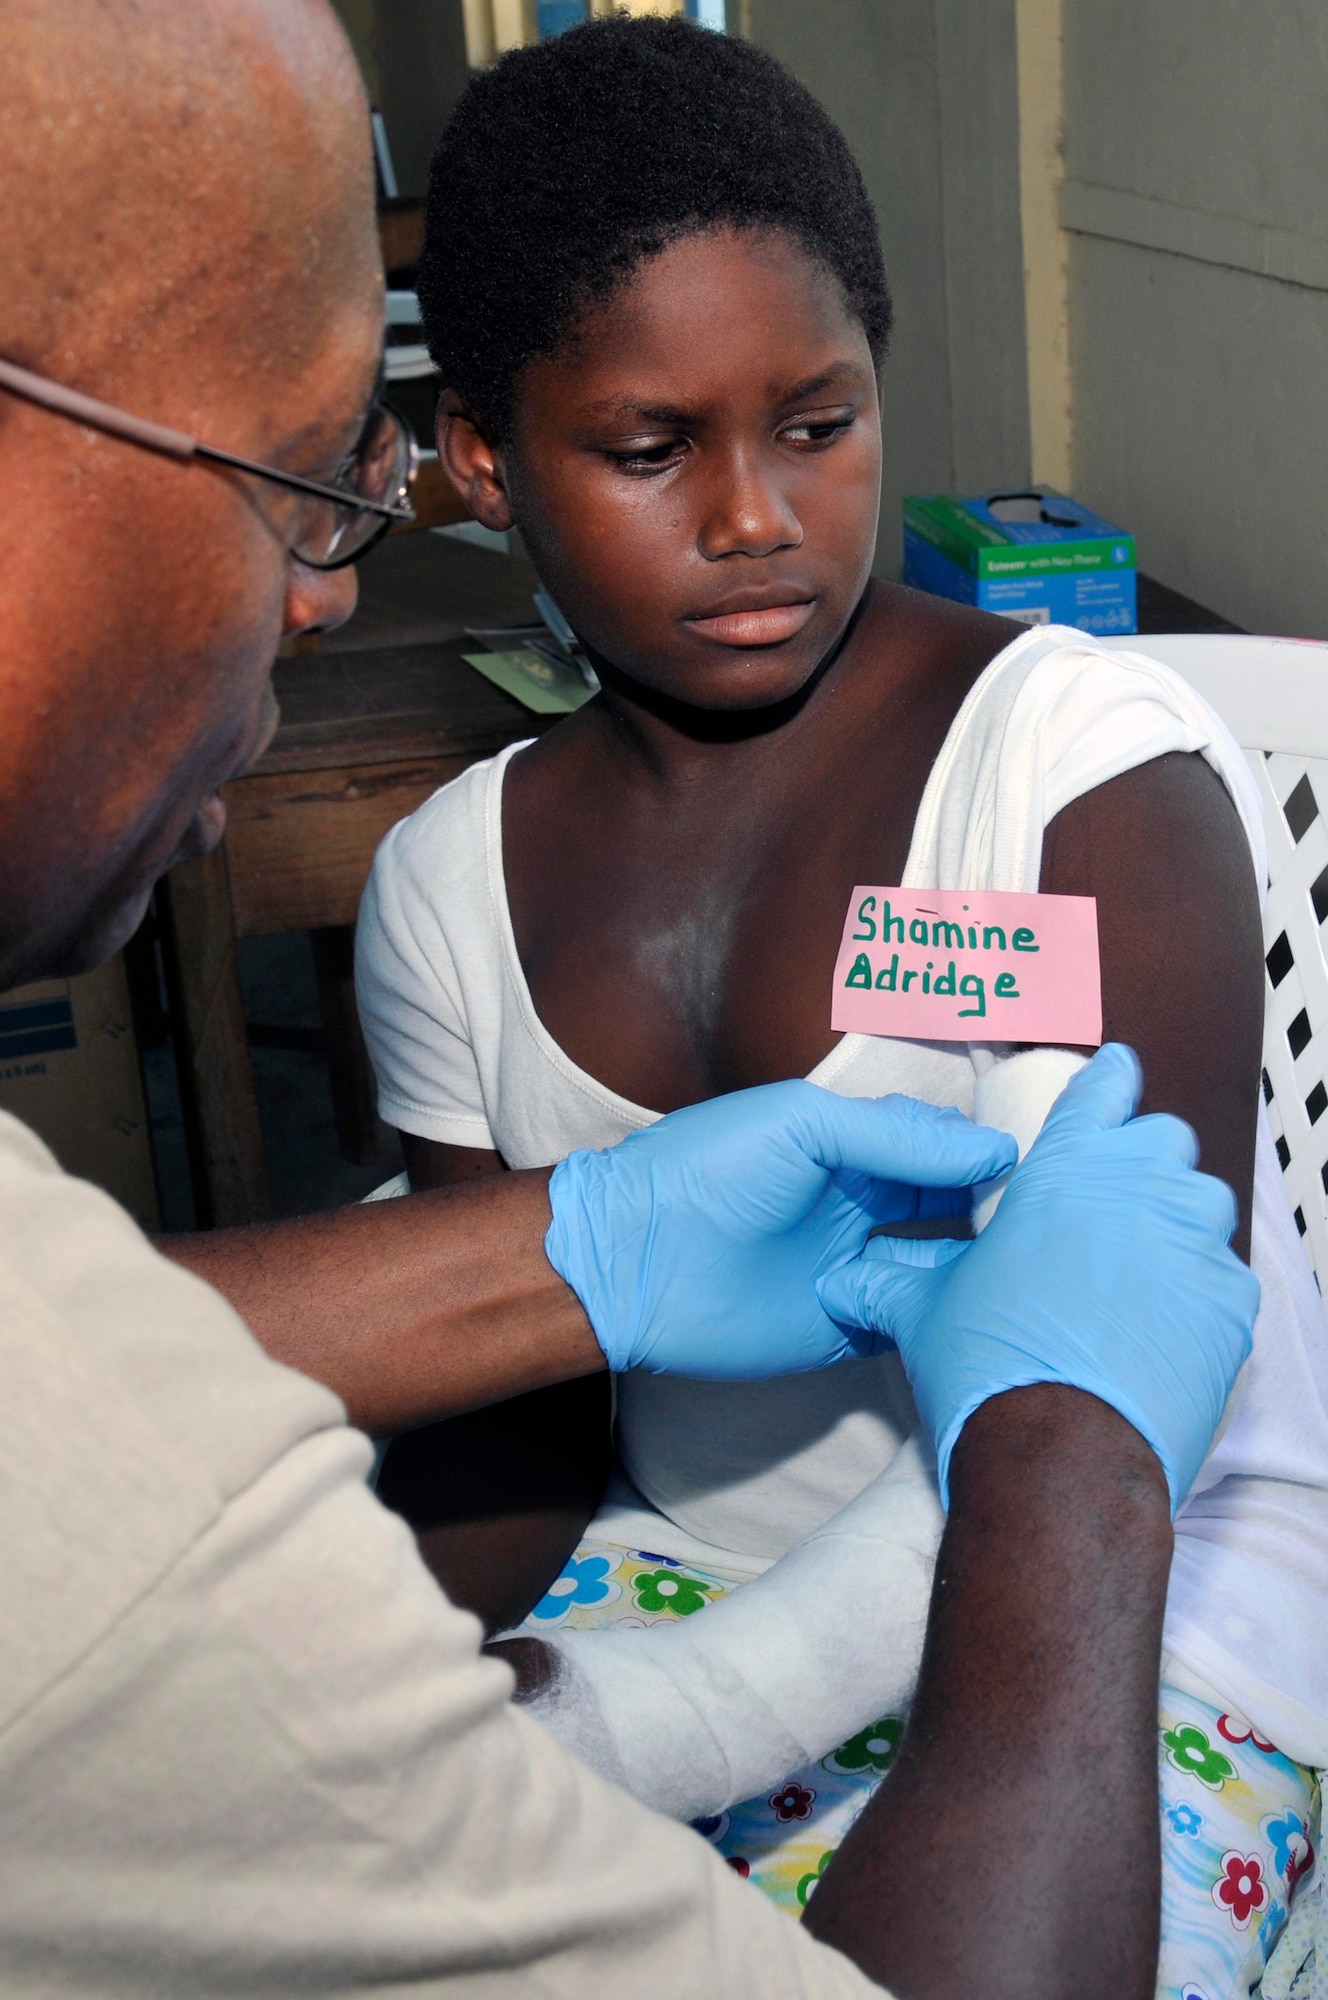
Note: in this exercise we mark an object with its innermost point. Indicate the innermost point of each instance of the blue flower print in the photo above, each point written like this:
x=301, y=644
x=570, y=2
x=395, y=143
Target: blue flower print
x=584, y=1581
x=1185, y=1819
x=1288, y=1837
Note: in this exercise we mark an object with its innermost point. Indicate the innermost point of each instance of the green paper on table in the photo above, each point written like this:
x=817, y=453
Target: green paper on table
x=535, y=682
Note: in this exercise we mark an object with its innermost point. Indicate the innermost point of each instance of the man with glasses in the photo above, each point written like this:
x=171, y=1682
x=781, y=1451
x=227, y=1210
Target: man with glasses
x=339, y=520
x=245, y=1744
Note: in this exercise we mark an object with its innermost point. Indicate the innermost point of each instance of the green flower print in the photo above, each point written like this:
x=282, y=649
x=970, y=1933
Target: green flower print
x=809, y=1882
x=872, y=1749
x=1189, y=1750
x=669, y=1590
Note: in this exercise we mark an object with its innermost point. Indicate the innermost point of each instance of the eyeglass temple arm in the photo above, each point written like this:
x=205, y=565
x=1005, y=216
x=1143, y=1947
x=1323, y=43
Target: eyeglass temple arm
x=160, y=437
x=402, y=513
x=100, y=416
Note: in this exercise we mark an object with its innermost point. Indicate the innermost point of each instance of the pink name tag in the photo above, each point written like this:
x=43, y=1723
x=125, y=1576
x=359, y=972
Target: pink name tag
x=969, y=965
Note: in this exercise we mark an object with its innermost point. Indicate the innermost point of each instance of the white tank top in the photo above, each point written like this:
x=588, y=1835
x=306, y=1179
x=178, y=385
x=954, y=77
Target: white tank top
x=462, y=1057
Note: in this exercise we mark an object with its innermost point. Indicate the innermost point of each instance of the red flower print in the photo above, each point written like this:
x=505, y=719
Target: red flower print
x=1237, y=1730
x=793, y=1802
x=739, y=1866
x=1240, y=1889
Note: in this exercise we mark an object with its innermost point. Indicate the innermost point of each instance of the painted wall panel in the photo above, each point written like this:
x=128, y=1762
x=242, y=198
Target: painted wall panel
x=1215, y=104
x=978, y=96
x=1201, y=422
x=926, y=93
x=1196, y=195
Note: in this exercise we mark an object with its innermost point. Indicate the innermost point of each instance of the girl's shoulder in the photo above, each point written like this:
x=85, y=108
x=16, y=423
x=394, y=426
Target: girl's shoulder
x=445, y=838
x=434, y=872
x=1055, y=715
x=916, y=656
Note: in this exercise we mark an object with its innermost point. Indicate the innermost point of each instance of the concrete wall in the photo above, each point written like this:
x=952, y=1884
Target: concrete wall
x=1106, y=228
x=926, y=91
x=1196, y=204
x=1106, y=224
x=928, y=94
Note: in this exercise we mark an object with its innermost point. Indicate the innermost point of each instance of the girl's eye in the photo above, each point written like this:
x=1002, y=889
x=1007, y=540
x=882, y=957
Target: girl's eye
x=818, y=431
x=647, y=457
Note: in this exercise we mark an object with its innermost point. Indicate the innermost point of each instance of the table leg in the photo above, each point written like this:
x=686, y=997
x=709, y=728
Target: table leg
x=354, y=1091
x=207, y=1007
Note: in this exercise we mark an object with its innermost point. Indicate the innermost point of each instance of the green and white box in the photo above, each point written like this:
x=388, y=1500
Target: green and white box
x=1036, y=556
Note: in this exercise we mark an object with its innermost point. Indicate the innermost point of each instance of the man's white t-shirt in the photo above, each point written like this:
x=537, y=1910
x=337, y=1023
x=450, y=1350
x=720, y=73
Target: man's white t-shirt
x=246, y=1744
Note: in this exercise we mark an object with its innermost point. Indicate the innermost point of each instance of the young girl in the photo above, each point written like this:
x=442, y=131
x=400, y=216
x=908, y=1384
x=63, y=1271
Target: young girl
x=654, y=289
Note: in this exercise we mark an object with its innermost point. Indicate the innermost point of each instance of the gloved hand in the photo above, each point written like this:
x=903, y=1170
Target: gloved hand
x=695, y=1245
x=1106, y=1267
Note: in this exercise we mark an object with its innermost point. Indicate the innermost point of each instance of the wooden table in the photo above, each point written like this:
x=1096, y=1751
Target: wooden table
x=1164, y=610
x=366, y=736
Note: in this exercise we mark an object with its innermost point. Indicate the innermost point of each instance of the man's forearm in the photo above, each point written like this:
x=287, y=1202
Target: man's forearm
x=1014, y=1850
x=409, y=1309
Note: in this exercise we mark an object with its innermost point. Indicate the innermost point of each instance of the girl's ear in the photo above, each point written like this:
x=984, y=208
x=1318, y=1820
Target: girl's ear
x=473, y=464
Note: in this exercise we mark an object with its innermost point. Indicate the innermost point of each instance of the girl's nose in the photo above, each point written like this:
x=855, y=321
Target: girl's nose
x=748, y=514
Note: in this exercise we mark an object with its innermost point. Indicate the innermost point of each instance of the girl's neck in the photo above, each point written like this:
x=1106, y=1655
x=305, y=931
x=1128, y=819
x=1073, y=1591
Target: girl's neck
x=676, y=741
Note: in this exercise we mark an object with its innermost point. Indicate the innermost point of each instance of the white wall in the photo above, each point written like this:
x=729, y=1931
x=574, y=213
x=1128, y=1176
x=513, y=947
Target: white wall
x=1196, y=201
x=1122, y=206
x=926, y=91
x=1140, y=183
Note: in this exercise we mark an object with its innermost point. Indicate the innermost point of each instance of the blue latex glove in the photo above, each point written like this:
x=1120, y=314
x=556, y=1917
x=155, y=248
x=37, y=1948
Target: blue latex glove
x=1106, y=1267
x=695, y=1245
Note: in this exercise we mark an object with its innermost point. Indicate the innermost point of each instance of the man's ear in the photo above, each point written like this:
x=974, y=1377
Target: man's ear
x=473, y=463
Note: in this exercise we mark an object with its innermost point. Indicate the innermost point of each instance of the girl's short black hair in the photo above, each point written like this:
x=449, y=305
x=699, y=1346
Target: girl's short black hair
x=567, y=164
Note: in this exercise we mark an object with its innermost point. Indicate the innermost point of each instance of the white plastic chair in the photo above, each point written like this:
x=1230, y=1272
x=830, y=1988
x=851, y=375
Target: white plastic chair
x=1273, y=696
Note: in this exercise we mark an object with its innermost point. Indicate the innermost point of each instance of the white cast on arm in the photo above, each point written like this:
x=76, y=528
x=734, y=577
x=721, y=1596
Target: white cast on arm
x=692, y=1716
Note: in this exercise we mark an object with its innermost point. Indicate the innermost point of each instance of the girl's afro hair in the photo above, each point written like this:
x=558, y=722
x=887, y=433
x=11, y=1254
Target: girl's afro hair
x=566, y=165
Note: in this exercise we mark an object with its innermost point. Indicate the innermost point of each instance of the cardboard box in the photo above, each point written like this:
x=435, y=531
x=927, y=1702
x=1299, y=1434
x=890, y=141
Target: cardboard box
x=1035, y=556
x=69, y=1068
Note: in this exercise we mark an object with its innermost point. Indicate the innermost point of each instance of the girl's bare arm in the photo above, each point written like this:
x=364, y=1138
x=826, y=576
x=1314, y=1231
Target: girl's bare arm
x=1163, y=851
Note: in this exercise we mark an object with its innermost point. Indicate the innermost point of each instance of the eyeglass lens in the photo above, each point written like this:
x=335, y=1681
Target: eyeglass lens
x=329, y=535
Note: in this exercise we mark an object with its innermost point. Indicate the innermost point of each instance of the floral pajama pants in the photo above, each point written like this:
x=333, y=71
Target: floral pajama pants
x=1240, y=1822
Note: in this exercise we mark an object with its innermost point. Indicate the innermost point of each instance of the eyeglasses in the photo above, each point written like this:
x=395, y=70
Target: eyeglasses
x=337, y=523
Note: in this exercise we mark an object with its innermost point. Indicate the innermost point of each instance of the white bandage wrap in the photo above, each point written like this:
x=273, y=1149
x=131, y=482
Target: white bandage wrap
x=1015, y=1094
x=693, y=1716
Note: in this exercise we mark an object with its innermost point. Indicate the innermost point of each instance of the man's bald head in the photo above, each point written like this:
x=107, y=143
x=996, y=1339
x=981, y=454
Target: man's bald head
x=187, y=230
x=183, y=183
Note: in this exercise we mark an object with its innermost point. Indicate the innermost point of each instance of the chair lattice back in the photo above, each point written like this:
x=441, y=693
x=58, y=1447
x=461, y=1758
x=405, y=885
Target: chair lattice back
x=1295, y=1029
x=1273, y=696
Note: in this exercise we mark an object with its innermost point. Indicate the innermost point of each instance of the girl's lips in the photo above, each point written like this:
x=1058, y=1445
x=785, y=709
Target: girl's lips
x=754, y=628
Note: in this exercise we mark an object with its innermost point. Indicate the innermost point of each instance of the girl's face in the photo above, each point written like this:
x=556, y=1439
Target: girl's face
x=696, y=472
